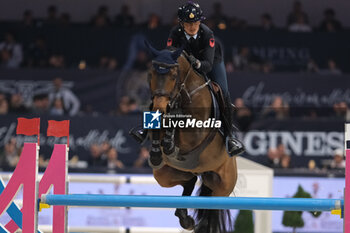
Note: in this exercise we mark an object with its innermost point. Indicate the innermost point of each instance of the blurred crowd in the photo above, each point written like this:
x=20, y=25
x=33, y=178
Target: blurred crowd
x=245, y=60
x=57, y=100
x=278, y=158
x=61, y=101
x=279, y=109
x=38, y=54
x=102, y=155
x=297, y=19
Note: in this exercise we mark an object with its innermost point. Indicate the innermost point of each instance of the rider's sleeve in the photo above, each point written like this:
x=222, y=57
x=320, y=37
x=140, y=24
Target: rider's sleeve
x=173, y=38
x=207, y=56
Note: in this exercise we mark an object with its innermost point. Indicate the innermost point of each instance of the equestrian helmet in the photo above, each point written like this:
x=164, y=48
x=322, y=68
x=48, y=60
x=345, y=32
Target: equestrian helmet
x=190, y=12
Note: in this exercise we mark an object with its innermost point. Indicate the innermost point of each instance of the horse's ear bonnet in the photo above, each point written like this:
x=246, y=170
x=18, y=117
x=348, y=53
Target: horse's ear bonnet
x=165, y=59
x=152, y=50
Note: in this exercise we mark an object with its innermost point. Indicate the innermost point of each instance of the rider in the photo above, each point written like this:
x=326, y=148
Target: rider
x=205, y=56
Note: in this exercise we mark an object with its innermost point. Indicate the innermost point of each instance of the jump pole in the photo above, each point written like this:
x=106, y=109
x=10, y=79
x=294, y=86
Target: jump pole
x=244, y=203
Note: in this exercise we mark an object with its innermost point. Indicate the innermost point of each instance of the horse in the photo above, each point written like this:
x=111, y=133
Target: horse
x=179, y=156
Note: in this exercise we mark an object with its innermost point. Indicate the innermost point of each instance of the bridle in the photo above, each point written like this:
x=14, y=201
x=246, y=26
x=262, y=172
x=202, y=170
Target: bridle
x=161, y=92
x=182, y=92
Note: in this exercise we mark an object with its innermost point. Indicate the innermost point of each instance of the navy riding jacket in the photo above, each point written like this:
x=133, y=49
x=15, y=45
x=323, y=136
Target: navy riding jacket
x=204, y=47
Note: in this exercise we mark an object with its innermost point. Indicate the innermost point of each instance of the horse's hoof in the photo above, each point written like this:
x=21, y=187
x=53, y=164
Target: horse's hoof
x=155, y=163
x=234, y=147
x=156, y=160
x=187, y=223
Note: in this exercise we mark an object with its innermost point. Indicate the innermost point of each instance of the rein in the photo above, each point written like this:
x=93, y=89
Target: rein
x=183, y=90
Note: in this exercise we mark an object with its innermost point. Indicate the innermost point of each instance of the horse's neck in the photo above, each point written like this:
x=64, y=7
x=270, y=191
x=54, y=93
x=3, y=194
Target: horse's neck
x=194, y=79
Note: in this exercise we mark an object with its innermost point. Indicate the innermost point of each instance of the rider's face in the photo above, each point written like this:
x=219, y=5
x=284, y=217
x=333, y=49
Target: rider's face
x=191, y=28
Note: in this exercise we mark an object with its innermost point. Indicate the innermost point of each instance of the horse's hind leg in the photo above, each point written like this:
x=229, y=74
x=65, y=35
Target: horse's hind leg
x=186, y=221
x=223, y=180
x=169, y=177
x=219, y=182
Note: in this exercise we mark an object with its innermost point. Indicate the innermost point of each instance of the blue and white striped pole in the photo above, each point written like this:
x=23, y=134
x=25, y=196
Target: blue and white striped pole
x=245, y=203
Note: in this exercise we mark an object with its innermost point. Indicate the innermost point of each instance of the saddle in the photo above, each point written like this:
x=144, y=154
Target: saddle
x=219, y=95
x=190, y=160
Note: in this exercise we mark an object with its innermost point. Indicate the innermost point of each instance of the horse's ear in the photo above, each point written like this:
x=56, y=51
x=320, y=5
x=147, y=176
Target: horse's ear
x=152, y=50
x=177, y=53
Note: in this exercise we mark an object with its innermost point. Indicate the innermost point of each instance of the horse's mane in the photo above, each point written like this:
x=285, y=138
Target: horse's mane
x=184, y=53
x=186, y=56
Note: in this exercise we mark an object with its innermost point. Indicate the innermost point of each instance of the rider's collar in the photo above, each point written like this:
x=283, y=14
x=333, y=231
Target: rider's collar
x=188, y=37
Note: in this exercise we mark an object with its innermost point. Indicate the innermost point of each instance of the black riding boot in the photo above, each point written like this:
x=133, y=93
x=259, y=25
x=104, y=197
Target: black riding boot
x=139, y=134
x=233, y=145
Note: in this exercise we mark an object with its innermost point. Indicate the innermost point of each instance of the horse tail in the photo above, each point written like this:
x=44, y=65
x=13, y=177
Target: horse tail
x=212, y=221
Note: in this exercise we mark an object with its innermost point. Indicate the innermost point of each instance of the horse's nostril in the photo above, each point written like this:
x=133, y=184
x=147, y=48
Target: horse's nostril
x=160, y=104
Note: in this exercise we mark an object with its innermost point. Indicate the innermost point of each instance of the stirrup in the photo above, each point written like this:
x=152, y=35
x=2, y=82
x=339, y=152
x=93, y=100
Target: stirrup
x=139, y=134
x=234, y=147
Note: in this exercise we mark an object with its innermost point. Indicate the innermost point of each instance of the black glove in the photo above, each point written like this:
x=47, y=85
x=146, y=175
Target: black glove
x=194, y=61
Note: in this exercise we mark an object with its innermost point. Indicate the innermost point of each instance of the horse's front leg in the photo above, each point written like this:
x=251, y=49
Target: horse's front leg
x=169, y=177
x=155, y=160
x=168, y=142
x=186, y=221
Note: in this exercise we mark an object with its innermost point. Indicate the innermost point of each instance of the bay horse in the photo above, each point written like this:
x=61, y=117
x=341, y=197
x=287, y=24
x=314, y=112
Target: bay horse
x=179, y=156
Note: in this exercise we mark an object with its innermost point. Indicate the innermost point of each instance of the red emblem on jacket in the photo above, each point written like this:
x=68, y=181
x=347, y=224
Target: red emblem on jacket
x=212, y=42
x=169, y=42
